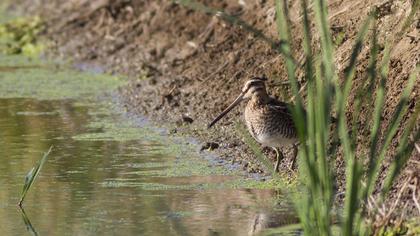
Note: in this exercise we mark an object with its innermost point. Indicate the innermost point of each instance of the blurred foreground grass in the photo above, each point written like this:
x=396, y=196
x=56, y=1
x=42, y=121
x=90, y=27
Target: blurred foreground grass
x=20, y=36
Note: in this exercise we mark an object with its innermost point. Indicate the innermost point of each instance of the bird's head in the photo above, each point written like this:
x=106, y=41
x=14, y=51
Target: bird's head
x=251, y=87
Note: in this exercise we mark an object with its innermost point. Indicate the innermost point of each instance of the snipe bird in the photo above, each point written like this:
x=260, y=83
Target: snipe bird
x=268, y=120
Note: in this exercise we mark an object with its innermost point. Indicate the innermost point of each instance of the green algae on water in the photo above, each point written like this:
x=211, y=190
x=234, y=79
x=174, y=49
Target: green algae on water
x=182, y=159
x=111, y=131
x=34, y=113
x=235, y=183
x=30, y=78
x=20, y=36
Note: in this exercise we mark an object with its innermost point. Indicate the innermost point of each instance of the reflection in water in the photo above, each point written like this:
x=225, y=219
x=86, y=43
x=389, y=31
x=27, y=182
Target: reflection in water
x=15, y=68
x=28, y=223
x=108, y=186
x=284, y=219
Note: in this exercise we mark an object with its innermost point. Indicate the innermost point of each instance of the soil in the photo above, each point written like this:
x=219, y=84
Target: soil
x=186, y=65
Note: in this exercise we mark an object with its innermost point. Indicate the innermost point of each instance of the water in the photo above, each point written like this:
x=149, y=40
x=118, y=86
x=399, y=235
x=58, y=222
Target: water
x=109, y=175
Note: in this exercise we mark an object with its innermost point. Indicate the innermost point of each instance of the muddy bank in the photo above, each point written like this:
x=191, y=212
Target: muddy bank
x=186, y=65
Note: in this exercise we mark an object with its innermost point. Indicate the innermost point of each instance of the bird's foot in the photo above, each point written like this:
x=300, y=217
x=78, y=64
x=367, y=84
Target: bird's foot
x=276, y=167
x=279, y=157
x=295, y=152
x=292, y=166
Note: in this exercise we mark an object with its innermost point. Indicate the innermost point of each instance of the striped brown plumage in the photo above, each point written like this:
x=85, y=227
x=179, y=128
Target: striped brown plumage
x=268, y=120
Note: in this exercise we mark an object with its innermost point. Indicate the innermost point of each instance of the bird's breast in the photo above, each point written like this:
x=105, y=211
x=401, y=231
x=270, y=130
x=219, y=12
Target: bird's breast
x=267, y=128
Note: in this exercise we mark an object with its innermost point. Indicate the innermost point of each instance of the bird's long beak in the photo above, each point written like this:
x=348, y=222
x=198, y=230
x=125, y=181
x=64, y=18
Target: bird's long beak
x=227, y=110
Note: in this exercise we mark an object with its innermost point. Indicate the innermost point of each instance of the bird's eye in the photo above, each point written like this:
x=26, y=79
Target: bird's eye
x=254, y=83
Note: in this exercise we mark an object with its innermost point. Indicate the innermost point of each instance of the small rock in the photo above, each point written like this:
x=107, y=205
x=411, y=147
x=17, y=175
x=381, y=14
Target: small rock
x=152, y=81
x=187, y=119
x=209, y=146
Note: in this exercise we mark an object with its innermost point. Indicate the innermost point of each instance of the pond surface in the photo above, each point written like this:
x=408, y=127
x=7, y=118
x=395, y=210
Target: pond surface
x=108, y=174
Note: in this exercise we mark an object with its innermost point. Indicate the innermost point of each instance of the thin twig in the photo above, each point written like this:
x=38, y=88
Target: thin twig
x=417, y=147
x=413, y=188
x=300, y=91
x=396, y=202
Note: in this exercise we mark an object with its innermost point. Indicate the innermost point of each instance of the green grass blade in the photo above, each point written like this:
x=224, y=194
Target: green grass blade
x=353, y=168
x=352, y=200
x=376, y=121
x=327, y=45
x=392, y=128
x=367, y=87
x=255, y=148
x=405, y=148
x=29, y=227
x=349, y=74
x=350, y=69
x=283, y=29
x=309, y=148
x=31, y=176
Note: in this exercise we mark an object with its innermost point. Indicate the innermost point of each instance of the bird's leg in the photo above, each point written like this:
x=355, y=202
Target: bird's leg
x=295, y=152
x=279, y=157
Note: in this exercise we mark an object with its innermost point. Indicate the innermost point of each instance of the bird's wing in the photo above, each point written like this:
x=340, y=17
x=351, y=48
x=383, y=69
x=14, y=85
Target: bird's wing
x=282, y=108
